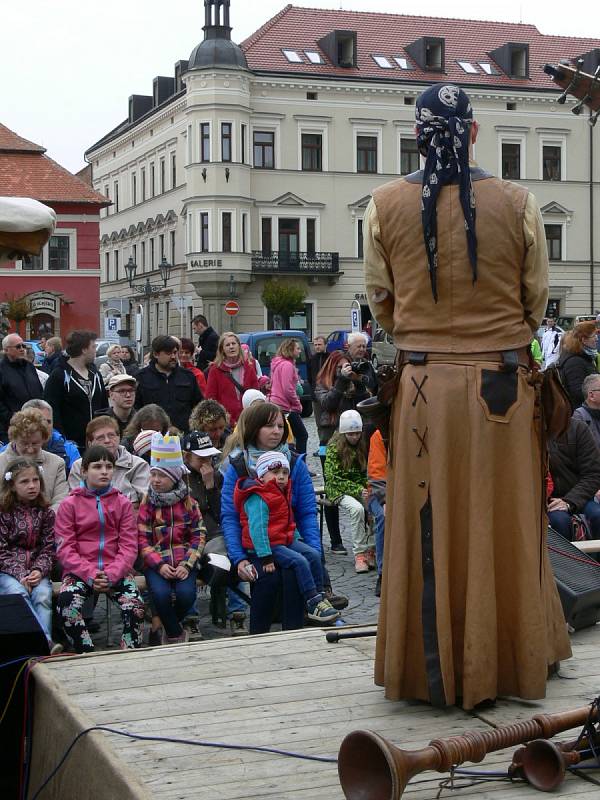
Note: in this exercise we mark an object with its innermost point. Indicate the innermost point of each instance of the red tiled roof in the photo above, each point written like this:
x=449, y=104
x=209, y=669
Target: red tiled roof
x=10, y=142
x=26, y=172
x=387, y=34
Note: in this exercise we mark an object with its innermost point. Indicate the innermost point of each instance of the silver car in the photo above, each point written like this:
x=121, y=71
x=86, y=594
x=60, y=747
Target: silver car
x=384, y=350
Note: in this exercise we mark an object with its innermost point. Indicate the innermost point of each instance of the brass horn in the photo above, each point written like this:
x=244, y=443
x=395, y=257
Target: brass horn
x=372, y=768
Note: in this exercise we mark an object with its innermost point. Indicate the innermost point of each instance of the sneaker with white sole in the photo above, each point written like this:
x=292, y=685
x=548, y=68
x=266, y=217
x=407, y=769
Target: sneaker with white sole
x=360, y=563
x=319, y=609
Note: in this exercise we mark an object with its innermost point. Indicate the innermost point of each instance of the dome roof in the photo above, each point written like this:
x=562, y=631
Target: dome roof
x=217, y=52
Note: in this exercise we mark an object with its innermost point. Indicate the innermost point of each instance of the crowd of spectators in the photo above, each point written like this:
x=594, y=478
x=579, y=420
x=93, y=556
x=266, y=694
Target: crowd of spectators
x=123, y=470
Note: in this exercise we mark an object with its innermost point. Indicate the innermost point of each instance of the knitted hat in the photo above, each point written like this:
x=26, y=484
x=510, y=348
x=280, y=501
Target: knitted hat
x=165, y=455
x=251, y=396
x=269, y=461
x=350, y=422
x=143, y=442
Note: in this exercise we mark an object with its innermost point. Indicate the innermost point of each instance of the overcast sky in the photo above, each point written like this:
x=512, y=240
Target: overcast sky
x=68, y=66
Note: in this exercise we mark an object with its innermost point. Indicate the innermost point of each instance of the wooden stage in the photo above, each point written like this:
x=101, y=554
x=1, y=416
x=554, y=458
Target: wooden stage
x=292, y=691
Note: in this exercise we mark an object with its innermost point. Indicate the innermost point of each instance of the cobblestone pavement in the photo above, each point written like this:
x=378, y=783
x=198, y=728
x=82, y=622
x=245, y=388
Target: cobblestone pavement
x=359, y=589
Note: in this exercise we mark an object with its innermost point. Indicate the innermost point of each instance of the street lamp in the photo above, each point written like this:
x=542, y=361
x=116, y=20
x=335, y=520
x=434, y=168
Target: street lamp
x=148, y=289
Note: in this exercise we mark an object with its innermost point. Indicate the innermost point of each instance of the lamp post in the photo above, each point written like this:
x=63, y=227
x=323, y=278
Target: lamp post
x=148, y=289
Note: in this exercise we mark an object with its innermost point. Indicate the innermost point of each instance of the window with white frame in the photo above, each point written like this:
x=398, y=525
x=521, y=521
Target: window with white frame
x=263, y=144
x=359, y=237
x=62, y=250
x=173, y=159
x=243, y=143
x=227, y=231
x=161, y=176
x=408, y=153
x=172, y=246
x=227, y=141
x=204, y=219
x=367, y=151
x=555, y=241
x=116, y=196
x=313, y=147
x=511, y=154
x=244, y=223
x=205, y=142
x=553, y=156
x=107, y=267
x=133, y=188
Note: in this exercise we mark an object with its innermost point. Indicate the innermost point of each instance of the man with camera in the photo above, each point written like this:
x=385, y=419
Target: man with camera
x=360, y=370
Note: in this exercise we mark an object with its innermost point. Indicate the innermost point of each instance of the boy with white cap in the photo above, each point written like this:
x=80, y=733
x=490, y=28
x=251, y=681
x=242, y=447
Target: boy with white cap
x=171, y=536
x=269, y=531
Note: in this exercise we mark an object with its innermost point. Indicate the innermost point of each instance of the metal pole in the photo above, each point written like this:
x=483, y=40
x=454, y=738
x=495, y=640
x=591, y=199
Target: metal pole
x=148, y=319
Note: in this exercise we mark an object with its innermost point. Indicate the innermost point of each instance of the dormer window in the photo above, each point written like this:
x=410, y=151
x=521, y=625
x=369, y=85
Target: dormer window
x=513, y=59
x=428, y=52
x=382, y=62
x=292, y=56
x=340, y=47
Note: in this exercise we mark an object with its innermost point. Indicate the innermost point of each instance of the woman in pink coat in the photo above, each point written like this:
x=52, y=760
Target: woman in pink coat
x=230, y=375
x=286, y=389
x=96, y=536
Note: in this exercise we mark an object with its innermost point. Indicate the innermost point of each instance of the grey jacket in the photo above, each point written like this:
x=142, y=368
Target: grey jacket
x=131, y=475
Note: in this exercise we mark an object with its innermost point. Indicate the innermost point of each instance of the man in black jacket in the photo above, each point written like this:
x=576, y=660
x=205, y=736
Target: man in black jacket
x=575, y=471
x=167, y=384
x=75, y=388
x=208, y=340
x=18, y=381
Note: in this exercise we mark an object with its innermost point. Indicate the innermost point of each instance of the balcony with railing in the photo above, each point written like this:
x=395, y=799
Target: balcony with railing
x=296, y=263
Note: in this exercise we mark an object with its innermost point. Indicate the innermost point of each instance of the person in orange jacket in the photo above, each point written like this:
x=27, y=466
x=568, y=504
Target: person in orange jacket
x=376, y=485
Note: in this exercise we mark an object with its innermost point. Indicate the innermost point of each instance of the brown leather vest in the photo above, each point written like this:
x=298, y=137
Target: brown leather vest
x=468, y=317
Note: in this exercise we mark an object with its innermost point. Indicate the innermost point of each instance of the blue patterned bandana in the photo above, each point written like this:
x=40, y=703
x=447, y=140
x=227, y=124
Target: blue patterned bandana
x=444, y=115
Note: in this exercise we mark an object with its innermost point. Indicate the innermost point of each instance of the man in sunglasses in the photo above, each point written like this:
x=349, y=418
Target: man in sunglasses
x=18, y=381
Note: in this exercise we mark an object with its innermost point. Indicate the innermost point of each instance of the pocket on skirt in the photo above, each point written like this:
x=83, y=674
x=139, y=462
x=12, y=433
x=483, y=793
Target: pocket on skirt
x=499, y=393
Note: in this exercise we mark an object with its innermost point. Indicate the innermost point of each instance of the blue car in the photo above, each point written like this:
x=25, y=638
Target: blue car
x=264, y=345
x=37, y=350
x=338, y=340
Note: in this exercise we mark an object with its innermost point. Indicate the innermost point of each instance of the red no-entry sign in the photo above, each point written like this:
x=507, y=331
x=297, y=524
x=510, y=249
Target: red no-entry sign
x=232, y=307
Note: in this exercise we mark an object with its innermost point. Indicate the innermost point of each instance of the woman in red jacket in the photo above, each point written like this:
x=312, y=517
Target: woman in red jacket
x=230, y=375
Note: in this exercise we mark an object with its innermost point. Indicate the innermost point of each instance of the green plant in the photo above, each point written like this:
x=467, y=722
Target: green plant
x=16, y=309
x=283, y=298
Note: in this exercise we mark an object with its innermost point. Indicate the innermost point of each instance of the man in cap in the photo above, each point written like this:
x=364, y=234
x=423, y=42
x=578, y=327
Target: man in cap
x=456, y=271
x=121, y=397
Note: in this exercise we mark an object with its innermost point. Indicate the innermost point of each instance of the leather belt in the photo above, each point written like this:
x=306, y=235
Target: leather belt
x=510, y=359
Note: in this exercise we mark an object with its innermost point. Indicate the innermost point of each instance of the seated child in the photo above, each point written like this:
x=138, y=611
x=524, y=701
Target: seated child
x=205, y=483
x=171, y=537
x=97, y=547
x=27, y=541
x=346, y=481
x=269, y=530
x=377, y=478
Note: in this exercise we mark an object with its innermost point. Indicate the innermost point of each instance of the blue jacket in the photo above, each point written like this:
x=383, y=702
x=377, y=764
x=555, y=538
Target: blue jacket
x=304, y=506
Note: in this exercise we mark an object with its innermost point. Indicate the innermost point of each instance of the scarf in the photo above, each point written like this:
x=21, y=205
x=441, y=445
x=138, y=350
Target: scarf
x=162, y=499
x=253, y=453
x=443, y=115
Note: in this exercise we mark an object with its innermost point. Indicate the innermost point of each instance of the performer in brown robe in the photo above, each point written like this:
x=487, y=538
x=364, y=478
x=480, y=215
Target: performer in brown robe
x=456, y=271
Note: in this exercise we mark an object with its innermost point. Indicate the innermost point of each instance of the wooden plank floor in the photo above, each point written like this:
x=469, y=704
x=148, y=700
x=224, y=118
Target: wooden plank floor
x=292, y=691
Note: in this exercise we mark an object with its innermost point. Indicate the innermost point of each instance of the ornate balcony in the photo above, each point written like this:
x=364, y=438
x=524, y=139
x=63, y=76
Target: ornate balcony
x=277, y=262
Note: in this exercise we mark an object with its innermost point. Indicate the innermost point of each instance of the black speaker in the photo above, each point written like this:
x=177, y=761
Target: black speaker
x=20, y=632
x=577, y=577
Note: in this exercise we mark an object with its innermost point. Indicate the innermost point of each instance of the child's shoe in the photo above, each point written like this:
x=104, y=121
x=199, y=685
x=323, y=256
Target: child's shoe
x=183, y=637
x=155, y=638
x=370, y=557
x=320, y=610
x=56, y=648
x=360, y=563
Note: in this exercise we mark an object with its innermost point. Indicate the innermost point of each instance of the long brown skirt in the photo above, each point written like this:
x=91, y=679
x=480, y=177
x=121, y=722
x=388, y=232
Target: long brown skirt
x=469, y=608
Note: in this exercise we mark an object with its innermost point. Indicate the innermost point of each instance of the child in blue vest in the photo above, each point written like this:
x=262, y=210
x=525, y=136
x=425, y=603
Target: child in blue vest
x=269, y=531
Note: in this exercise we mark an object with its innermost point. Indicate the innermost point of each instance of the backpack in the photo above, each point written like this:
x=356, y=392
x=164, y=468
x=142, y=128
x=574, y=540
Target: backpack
x=556, y=403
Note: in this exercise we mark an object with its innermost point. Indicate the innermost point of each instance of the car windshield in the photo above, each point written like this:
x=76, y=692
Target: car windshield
x=266, y=348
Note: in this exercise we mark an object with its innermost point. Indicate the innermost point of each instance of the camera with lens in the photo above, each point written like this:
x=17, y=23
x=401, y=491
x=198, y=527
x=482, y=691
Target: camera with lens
x=355, y=365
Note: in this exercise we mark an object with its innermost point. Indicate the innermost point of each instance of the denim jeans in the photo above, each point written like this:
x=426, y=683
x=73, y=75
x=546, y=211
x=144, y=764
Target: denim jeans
x=162, y=590
x=306, y=563
x=376, y=509
x=39, y=601
x=561, y=520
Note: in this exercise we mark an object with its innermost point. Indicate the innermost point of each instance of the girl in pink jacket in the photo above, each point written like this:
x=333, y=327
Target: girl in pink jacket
x=96, y=536
x=286, y=389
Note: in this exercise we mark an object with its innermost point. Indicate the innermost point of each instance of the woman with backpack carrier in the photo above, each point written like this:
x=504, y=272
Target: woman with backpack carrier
x=230, y=375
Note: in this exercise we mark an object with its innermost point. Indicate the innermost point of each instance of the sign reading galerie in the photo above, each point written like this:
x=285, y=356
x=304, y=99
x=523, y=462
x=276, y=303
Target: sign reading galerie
x=204, y=263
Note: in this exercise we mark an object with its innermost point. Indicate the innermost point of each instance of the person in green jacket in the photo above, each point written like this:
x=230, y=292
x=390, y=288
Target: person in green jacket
x=346, y=484
x=536, y=352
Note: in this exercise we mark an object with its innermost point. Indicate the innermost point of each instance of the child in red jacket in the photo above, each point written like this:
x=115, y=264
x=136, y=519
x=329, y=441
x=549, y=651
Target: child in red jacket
x=97, y=547
x=269, y=530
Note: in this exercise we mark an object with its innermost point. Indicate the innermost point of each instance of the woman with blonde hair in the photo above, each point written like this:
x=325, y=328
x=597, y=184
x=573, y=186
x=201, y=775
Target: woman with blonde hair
x=114, y=365
x=28, y=432
x=286, y=389
x=230, y=375
x=577, y=359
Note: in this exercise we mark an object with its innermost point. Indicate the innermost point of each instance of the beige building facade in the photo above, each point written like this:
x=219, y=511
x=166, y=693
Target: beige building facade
x=238, y=171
